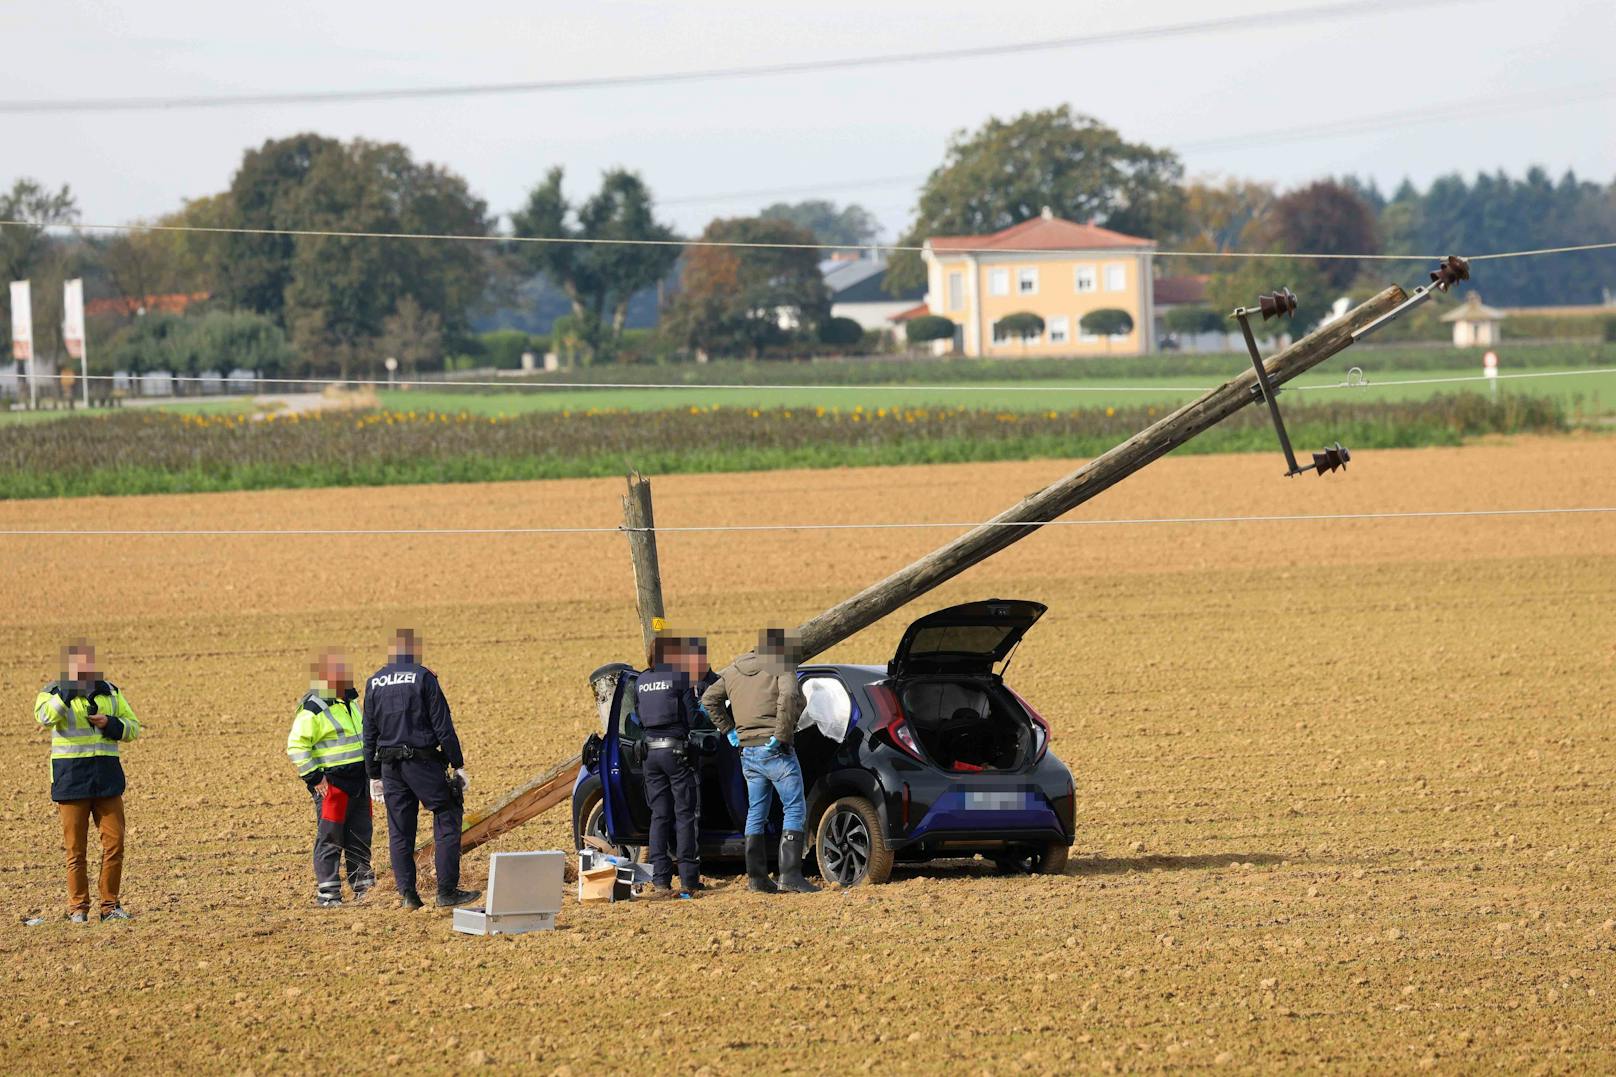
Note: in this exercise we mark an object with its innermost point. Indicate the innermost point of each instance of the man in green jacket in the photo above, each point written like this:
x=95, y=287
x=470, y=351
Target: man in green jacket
x=326, y=746
x=88, y=718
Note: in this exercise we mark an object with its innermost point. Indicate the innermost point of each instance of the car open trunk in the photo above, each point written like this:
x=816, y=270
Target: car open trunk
x=967, y=724
x=943, y=673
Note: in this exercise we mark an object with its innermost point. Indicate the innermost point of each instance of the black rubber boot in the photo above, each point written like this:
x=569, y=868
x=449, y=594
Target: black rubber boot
x=791, y=864
x=757, y=865
x=409, y=900
x=457, y=897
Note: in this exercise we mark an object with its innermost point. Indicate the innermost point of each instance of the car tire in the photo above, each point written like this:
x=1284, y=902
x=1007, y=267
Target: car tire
x=592, y=821
x=849, y=844
x=1050, y=860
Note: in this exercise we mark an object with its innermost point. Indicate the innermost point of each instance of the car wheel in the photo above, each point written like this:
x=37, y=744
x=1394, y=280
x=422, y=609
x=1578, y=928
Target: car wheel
x=594, y=826
x=850, y=846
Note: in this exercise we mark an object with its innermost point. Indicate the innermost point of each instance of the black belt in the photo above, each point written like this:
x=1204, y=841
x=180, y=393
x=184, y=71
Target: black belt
x=667, y=742
x=398, y=752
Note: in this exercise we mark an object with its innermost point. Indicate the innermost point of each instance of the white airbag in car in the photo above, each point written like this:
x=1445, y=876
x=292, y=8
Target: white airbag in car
x=827, y=707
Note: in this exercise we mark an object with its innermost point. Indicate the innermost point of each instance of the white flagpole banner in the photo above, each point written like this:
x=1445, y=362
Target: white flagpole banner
x=73, y=329
x=22, y=324
x=73, y=317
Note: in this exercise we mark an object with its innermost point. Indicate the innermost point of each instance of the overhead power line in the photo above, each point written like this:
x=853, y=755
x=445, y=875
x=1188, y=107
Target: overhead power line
x=864, y=387
x=325, y=233
x=216, y=532
x=1267, y=19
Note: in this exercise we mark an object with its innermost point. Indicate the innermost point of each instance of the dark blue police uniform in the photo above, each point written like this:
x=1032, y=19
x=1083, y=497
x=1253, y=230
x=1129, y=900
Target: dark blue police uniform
x=409, y=740
x=665, y=704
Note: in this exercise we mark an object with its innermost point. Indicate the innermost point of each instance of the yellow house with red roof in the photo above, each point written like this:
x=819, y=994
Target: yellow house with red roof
x=1057, y=269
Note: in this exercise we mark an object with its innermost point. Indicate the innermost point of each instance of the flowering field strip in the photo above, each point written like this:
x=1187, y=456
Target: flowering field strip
x=152, y=452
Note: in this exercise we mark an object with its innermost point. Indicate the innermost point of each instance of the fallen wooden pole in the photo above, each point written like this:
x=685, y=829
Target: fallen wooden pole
x=515, y=808
x=1094, y=477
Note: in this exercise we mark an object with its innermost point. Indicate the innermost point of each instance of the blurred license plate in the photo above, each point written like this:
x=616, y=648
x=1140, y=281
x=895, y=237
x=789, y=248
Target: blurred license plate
x=995, y=801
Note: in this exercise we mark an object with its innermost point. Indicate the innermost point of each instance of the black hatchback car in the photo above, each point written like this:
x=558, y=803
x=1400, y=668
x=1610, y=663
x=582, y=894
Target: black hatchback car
x=937, y=758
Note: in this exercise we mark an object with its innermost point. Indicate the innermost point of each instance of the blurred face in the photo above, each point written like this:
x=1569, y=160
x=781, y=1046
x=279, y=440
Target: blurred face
x=406, y=644
x=333, y=672
x=79, y=664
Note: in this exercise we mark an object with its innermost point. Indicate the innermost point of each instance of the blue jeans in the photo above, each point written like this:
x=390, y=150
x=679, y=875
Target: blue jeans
x=767, y=773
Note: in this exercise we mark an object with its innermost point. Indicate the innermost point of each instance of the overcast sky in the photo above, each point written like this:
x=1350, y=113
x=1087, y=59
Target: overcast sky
x=831, y=131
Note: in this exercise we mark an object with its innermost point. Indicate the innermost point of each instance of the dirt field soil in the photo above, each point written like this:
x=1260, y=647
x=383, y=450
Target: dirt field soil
x=1345, y=788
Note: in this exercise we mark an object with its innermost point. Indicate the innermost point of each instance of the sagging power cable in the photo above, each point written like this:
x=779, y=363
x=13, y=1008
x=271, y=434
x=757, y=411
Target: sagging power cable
x=409, y=384
x=755, y=528
x=325, y=233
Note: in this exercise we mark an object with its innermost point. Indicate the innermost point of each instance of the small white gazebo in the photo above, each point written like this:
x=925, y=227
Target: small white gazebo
x=1475, y=325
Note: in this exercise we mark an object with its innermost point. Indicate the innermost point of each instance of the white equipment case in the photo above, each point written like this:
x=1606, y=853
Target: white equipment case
x=524, y=894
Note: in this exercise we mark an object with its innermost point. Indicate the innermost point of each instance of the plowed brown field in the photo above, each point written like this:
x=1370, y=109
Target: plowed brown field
x=1345, y=788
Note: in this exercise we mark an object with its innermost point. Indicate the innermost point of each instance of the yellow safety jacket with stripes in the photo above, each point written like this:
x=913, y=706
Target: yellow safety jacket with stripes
x=327, y=734
x=84, y=759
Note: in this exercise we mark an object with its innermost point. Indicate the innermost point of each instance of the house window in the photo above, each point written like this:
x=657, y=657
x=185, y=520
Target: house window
x=956, y=291
x=998, y=282
x=1059, y=328
x=1086, y=279
x=1027, y=282
x=1116, y=278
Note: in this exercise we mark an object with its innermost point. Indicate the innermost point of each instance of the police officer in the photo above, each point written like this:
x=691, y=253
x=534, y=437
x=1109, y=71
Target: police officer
x=88, y=718
x=326, y=747
x=409, y=741
x=664, y=703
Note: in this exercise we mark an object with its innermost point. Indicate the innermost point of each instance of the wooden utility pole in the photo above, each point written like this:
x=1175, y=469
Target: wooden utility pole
x=640, y=523
x=907, y=584
x=1094, y=477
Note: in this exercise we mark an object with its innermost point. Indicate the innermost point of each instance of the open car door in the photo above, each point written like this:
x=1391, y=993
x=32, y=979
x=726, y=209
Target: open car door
x=968, y=639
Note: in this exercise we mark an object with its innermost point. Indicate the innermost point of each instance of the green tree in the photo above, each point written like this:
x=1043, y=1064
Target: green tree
x=342, y=288
x=1007, y=171
x=599, y=279
x=411, y=335
x=1107, y=322
x=1240, y=285
x=928, y=327
x=1325, y=217
x=840, y=331
x=850, y=226
x=1022, y=326
x=28, y=252
x=261, y=195
x=745, y=299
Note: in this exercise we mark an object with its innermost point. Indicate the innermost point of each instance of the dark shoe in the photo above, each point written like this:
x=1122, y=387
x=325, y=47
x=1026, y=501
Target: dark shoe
x=117, y=913
x=328, y=902
x=757, y=865
x=791, y=864
x=457, y=897
x=77, y=918
x=409, y=899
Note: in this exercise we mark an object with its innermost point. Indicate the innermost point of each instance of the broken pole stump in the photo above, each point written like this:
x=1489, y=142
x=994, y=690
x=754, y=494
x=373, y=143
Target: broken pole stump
x=1094, y=477
x=640, y=524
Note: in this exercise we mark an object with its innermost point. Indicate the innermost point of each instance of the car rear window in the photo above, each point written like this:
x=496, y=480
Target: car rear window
x=958, y=639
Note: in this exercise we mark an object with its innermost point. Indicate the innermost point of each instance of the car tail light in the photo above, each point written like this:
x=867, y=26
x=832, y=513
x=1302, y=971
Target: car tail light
x=1040, y=728
x=890, y=722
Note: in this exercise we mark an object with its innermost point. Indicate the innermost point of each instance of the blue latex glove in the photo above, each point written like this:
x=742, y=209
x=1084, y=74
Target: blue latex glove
x=734, y=738
x=774, y=746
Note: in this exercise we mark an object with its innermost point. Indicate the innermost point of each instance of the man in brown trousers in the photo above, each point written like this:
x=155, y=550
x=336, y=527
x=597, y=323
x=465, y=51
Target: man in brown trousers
x=88, y=718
